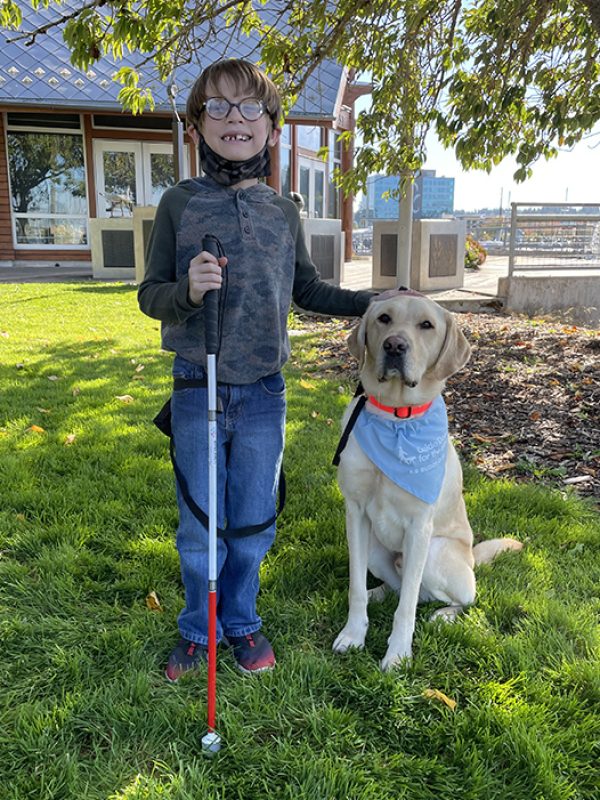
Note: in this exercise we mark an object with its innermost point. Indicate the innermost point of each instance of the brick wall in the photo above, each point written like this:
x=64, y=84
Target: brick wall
x=7, y=251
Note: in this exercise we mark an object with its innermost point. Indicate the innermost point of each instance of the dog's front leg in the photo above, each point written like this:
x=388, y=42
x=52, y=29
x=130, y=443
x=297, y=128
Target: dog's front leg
x=358, y=533
x=416, y=547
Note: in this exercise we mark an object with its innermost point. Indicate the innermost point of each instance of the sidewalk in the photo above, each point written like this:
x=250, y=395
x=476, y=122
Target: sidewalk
x=479, y=290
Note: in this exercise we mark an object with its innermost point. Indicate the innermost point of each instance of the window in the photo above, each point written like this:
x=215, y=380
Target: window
x=285, y=155
x=286, y=170
x=309, y=137
x=334, y=161
x=48, y=187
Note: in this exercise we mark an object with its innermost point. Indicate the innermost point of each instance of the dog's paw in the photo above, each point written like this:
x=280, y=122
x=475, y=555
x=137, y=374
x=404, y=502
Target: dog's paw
x=394, y=660
x=447, y=614
x=349, y=638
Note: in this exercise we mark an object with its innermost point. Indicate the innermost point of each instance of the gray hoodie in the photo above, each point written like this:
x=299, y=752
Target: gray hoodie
x=268, y=265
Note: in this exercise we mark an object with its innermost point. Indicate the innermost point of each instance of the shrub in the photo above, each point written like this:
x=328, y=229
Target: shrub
x=475, y=253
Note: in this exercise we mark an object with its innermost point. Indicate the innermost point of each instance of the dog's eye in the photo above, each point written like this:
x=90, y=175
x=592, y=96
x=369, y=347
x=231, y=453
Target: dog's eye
x=426, y=325
x=385, y=318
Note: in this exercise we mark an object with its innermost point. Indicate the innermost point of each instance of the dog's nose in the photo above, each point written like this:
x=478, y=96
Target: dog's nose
x=395, y=345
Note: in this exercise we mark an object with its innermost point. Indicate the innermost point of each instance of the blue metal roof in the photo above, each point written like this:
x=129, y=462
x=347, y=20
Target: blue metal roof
x=42, y=74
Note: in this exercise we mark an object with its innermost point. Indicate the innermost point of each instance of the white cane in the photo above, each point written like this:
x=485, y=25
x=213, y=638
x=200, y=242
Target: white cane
x=211, y=741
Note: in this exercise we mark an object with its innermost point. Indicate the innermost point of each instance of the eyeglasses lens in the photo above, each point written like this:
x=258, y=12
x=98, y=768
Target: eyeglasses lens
x=218, y=108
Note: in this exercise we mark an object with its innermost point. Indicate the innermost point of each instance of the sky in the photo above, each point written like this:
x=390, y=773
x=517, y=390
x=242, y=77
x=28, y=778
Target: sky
x=573, y=176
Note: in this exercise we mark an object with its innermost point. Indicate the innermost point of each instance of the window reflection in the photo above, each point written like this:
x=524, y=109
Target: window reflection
x=48, y=191
x=162, y=175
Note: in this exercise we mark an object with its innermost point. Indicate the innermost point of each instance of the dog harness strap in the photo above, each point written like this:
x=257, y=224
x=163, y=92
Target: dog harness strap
x=362, y=399
x=163, y=423
x=225, y=533
x=401, y=412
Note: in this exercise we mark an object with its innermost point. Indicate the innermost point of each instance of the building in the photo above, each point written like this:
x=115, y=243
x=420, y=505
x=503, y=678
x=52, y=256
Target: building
x=433, y=197
x=69, y=154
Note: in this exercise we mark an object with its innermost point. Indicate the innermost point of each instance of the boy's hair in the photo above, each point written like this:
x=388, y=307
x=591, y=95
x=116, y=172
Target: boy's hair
x=245, y=76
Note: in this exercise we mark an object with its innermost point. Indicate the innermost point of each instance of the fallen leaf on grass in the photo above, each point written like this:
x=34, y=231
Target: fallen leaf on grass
x=5, y=334
x=76, y=391
x=124, y=398
x=43, y=410
x=435, y=694
x=483, y=439
x=307, y=384
x=70, y=438
x=36, y=429
x=53, y=377
x=153, y=602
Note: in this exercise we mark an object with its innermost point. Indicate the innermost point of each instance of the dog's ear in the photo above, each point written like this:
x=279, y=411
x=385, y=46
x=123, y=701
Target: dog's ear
x=357, y=341
x=455, y=351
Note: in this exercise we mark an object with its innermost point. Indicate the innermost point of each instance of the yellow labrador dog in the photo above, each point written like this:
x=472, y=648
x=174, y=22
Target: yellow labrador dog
x=400, y=475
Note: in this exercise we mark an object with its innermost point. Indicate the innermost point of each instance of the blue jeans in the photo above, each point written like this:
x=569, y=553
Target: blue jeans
x=250, y=440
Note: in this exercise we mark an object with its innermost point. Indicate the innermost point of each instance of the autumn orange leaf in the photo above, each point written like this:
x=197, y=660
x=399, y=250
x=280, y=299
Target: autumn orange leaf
x=36, y=429
x=152, y=602
x=435, y=694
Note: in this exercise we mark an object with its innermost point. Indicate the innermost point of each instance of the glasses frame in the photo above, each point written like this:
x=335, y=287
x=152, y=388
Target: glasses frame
x=263, y=108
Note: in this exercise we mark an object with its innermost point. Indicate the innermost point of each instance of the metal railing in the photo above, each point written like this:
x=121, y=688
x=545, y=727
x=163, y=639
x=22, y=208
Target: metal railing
x=554, y=236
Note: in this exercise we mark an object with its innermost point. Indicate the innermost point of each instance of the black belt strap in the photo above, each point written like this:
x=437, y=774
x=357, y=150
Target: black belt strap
x=362, y=399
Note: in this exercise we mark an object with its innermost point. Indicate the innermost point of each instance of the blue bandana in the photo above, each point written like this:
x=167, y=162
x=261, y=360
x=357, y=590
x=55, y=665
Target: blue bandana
x=410, y=452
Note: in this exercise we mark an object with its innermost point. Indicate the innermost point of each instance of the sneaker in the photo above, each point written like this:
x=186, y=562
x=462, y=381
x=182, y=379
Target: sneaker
x=184, y=658
x=252, y=652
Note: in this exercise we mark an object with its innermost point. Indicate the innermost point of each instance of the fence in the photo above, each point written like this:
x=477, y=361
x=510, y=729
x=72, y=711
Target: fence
x=554, y=236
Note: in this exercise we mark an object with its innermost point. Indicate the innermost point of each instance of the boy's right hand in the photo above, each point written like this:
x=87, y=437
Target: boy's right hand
x=204, y=275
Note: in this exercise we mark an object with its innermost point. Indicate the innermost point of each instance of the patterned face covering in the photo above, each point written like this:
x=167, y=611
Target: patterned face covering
x=227, y=172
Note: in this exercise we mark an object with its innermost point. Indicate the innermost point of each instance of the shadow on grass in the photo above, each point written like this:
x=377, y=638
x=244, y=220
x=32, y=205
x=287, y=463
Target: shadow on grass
x=106, y=288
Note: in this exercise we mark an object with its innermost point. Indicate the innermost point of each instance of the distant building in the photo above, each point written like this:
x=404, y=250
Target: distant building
x=433, y=196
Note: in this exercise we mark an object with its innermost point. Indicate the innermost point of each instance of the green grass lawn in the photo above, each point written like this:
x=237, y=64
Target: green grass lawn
x=87, y=520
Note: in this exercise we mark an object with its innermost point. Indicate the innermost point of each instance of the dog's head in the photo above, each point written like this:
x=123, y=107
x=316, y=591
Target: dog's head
x=407, y=346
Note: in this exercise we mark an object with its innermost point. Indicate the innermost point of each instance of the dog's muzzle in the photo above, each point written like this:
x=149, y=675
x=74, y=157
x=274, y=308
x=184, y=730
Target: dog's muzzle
x=395, y=349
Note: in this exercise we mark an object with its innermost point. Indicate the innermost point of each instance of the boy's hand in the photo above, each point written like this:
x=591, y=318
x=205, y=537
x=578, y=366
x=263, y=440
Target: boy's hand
x=204, y=275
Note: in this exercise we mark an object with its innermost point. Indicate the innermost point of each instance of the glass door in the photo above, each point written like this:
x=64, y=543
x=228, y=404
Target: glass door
x=131, y=174
x=311, y=182
x=158, y=171
x=119, y=177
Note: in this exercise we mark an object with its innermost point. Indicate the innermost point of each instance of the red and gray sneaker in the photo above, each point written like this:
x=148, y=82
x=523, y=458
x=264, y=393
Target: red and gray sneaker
x=184, y=658
x=252, y=652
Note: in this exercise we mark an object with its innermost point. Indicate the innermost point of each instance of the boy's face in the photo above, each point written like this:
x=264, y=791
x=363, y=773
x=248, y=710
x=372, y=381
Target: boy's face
x=234, y=137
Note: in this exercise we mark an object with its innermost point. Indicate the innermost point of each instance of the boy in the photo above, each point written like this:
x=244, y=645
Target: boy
x=233, y=114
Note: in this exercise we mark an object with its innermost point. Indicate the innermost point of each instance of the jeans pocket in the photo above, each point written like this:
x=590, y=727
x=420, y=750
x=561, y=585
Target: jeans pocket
x=273, y=385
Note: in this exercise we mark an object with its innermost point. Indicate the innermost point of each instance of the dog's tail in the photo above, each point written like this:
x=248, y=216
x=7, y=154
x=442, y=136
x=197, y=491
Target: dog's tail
x=486, y=552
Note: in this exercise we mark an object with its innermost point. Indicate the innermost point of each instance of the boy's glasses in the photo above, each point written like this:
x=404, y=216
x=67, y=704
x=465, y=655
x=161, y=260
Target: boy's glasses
x=250, y=108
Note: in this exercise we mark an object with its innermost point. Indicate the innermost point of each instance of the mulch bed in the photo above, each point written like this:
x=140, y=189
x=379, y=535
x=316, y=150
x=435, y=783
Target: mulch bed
x=525, y=406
